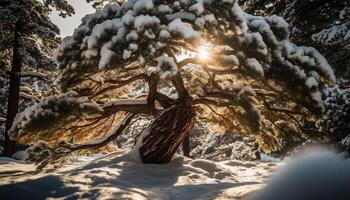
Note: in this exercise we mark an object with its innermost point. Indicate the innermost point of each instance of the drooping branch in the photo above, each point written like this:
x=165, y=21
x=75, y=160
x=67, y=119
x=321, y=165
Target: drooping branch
x=278, y=109
x=48, y=155
x=187, y=61
x=120, y=83
x=109, y=138
x=241, y=96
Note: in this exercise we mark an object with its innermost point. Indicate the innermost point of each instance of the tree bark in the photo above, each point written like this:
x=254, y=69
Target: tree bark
x=186, y=146
x=166, y=133
x=13, y=97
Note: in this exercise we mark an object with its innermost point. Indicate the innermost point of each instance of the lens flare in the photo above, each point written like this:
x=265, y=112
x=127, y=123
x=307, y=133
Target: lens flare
x=203, y=52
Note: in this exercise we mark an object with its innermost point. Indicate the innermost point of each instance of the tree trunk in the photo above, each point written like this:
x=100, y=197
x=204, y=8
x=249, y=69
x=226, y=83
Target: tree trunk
x=186, y=146
x=13, y=97
x=166, y=133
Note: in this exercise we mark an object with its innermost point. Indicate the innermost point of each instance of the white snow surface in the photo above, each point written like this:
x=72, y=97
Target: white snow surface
x=312, y=175
x=123, y=176
x=315, y=175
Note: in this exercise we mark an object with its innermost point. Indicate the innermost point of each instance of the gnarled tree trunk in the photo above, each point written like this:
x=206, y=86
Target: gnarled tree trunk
x=166, y=133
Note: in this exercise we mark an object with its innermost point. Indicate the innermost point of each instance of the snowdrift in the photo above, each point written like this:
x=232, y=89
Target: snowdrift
x=315, y=175
x=312, y=176
x=122, y=176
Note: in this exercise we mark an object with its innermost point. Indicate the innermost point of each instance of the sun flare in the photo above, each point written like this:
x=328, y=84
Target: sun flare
x=203, y=52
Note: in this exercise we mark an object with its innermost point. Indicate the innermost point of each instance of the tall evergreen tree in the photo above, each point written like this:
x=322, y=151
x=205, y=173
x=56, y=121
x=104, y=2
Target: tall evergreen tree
x=27, y=39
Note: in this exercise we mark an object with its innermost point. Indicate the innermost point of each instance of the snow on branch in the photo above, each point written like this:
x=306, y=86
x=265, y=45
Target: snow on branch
x=338, y=34
x=156, y=37
x=146, y=31
x=51, y=111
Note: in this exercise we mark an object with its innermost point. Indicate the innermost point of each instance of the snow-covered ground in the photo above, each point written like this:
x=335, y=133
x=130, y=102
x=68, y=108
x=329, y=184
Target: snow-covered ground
x=315, y=175
x=121, y=176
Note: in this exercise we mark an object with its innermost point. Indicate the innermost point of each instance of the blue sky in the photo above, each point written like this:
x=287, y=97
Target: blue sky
x=68, y=24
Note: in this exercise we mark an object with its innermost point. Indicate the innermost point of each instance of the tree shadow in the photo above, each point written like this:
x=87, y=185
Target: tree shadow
x=41, y=188
x=120, y=178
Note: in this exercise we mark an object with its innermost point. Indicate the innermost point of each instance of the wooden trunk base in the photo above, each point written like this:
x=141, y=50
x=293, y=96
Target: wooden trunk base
x=166, y=133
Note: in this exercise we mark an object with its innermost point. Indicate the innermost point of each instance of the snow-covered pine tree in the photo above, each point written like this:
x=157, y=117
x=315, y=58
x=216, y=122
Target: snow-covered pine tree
x=319, y=23
x=324, y=25
x=337, y=119
x=27, y=40
x=195, y=59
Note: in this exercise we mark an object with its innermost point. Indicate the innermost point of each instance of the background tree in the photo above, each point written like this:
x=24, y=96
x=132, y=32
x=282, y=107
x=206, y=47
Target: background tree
x=336, y=123
x=199, y=61
x=324, y=25
x=27, y=40
x=319, y=23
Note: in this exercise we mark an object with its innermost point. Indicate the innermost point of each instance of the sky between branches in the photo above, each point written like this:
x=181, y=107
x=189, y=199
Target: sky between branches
x=68, y=24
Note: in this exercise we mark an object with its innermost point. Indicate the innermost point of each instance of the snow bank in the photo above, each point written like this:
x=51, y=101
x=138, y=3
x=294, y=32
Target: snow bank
x=121, y=176
x=313, y=176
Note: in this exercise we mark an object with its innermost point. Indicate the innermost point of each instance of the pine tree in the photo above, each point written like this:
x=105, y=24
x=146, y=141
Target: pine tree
x=337, y=120
x=27, y=39
x=194, y=59
x=319, y=23
x=325, y=25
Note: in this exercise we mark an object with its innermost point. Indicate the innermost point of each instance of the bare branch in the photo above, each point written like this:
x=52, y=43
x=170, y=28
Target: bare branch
x=28, y=96
x=269, y=107
x=116, y=132
x=120, y=83
x=34, y=74
x=57, y=153
x=136, y=106
x=206, y=101
x=187, y=61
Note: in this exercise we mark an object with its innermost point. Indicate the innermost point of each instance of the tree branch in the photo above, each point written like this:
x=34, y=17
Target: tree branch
x=164, y=100
x=34, y=74
x=58, y=153
x=207, y=101
x=187, y=61
x=120, y=83
x=269, y=107
x=136, y=106
x=104, y=141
